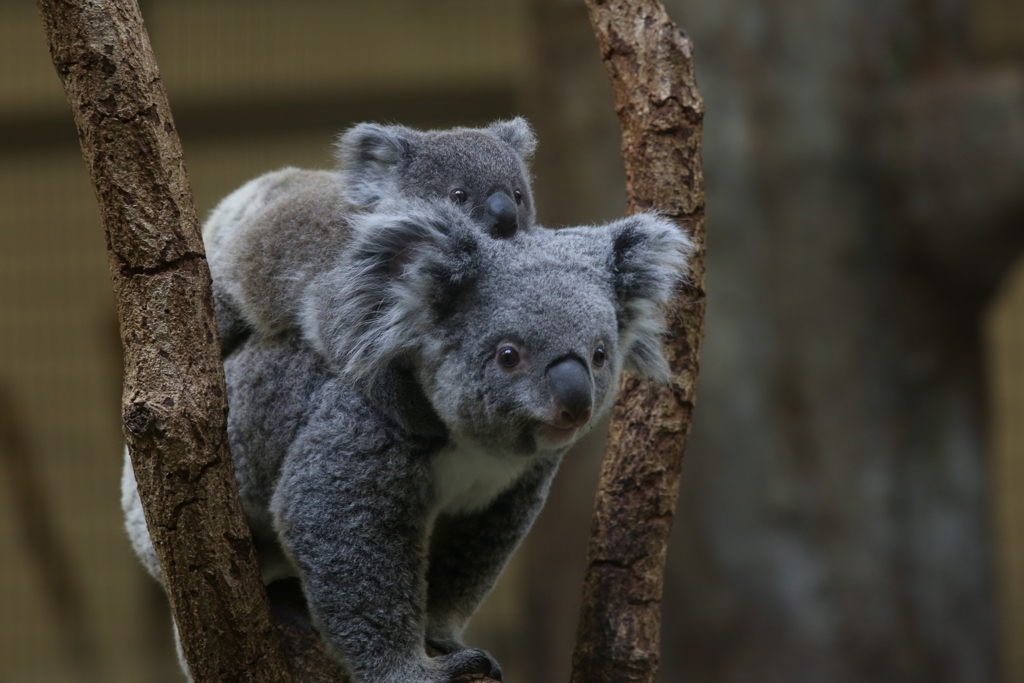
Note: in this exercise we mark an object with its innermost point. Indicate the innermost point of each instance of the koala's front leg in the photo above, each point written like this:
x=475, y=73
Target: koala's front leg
x=468, y=552
x=351, y=507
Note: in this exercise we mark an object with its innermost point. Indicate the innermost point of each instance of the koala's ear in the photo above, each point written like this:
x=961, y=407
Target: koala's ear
x=368, y=154
x=648, y=257
x=517, y=133
x=402, y=272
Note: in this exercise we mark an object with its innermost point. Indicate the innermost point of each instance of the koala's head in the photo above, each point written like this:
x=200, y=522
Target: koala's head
x=482, y=171
x=517, y=343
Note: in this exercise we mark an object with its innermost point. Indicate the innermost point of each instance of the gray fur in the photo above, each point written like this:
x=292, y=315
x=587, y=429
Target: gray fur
x=385, y=162
x=270, y=238
x=383, y=454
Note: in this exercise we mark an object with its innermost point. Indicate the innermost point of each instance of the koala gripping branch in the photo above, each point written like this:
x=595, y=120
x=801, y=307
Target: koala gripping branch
x=175, y=405
x=649, y=63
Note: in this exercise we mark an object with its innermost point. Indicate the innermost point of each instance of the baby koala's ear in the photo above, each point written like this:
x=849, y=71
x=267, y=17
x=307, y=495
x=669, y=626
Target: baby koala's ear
x=517, y=133
x=368, y=154
x=648, y=257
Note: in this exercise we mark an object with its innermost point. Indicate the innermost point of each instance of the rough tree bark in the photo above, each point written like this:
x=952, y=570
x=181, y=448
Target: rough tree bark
x=649, y=62
x=175, y=403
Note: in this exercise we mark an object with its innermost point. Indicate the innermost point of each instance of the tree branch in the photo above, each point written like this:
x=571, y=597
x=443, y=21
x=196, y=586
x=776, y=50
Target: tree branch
x=649, y=63
x=175, y=403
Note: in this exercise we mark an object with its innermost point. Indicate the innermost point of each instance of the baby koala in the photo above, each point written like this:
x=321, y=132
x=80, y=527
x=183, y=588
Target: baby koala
x=269, y=237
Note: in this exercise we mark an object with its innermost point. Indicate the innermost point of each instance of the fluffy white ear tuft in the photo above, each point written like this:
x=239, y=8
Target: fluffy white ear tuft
x=649, y=256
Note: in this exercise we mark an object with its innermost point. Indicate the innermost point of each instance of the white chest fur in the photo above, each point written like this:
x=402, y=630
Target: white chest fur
x=467, y=479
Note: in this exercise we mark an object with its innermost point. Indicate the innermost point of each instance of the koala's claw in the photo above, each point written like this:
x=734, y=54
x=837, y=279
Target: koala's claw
x=471, y=662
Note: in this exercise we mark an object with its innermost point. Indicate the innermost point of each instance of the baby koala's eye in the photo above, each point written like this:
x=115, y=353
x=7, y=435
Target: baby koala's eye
x=458, y=195
x=519, y=196
x=599, y=356
x=508, y=357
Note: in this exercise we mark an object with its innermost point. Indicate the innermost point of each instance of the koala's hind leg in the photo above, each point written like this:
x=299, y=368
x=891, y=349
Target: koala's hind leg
x=135, y=524
x=135, y=521
x=351, y=506
x=468, y=552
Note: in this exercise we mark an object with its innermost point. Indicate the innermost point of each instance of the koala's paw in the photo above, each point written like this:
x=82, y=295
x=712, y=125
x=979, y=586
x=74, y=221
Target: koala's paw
x=468, y=664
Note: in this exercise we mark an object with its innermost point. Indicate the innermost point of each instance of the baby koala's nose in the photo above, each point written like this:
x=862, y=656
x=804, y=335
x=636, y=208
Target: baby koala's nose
x=504, y=217
x=569, y=383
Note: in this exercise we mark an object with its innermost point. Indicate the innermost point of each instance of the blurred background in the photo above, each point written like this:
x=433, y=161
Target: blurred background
x=852, y=507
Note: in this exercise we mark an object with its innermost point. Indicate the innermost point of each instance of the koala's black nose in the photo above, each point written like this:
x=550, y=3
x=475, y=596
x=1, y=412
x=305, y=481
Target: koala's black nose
x=502, y=214
x=569, y=383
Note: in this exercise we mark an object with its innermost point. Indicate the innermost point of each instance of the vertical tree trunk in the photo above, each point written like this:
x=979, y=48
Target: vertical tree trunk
x=649, y=62
x=175, y=404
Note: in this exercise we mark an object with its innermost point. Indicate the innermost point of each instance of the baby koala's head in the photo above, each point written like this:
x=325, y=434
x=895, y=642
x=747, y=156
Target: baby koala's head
x=482, y=171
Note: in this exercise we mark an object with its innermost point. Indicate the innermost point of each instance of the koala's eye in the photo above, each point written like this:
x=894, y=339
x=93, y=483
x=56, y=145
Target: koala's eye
x=519, y=196
x=508, y=357
x=458, y=195
x=599, y=356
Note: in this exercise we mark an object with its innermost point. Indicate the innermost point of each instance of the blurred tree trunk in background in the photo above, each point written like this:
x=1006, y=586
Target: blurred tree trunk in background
x=866, y=197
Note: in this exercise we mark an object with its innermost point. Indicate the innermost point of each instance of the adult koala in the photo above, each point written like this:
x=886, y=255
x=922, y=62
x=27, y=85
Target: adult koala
x=272, y=235
x=395, y=428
